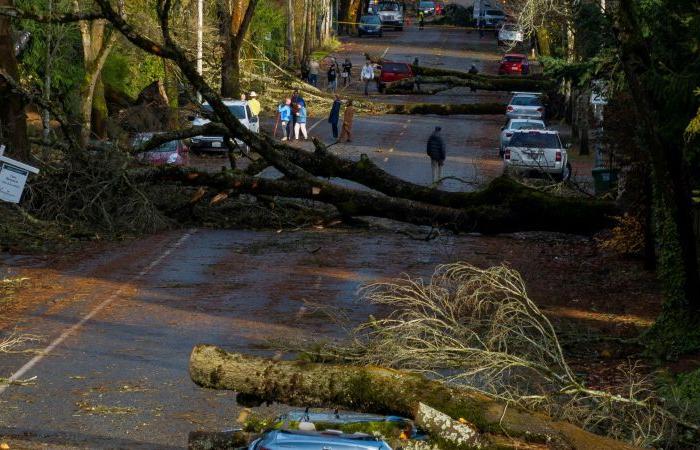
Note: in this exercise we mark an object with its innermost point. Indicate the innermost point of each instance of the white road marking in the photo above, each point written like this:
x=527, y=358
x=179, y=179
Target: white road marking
x=52, y=346
x=314, y=125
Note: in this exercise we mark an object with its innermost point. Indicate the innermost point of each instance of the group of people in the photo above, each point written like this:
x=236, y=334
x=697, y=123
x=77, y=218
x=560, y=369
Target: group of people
x=253, y=102
x=334, y=71
x=292, y=116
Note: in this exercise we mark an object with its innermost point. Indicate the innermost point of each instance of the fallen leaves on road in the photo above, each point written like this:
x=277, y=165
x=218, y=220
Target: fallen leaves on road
x=104, y=409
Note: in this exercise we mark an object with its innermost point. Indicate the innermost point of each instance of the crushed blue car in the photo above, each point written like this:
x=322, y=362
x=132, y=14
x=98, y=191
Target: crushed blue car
x=317, y=440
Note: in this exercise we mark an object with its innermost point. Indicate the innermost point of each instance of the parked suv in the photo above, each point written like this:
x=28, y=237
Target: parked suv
x=393, y=71
x=510, y=34
x=514, y=125
x=514, y=63
x=369, y=25
x=537, y=151
x=525, y=105
x=391, y=14
x=240, y=110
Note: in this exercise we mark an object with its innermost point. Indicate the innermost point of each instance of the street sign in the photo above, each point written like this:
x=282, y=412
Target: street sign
x=13, y=176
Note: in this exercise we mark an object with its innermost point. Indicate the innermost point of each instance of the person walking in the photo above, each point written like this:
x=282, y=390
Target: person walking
x=347, y=123
x=473, y=71
x=367, y=75
x=301, y=123
x=421, y=19
x=334, y=116
x=332, y=77
x=347, y=71
x=254, y=103
x=314, y=68
x=297, y=101
x=436, y=150
x=285, y=112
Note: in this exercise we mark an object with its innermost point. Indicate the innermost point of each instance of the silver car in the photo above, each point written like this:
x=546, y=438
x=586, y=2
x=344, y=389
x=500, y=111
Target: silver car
x=240, y=110
x=525, y=105
x=538, y=151
x=313, y=440
x=514, y=125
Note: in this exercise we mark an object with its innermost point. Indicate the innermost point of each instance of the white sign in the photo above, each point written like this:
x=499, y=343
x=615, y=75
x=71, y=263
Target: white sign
x=13, y=176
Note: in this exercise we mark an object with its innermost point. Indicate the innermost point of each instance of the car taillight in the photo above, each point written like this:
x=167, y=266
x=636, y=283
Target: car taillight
x=558, y=156
x=510, y=108
x=509, y=134
x=506, y=154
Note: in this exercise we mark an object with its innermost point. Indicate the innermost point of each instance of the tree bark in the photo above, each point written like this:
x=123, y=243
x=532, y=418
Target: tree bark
x=13, y=120
x=377, y=390
x=480, y=82
x=233, y=26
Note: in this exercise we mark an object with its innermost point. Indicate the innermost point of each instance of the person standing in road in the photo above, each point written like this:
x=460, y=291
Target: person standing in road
x=473, y=71
x=334, y=116
x=297, y=101
x=417, y=76
x=301, y=123
x=254, y=104
x=347, y=71
x=285, y=111
x=367, y=75
x=436, y=150
x=314, y=68
x=332, y=77
x=347, y=123
x=421, y=19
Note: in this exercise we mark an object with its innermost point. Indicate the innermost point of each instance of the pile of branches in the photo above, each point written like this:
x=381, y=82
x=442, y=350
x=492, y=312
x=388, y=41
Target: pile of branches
x=478, y=328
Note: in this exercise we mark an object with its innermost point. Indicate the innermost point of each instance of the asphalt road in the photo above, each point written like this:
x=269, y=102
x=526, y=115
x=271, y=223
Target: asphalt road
x=116, y=327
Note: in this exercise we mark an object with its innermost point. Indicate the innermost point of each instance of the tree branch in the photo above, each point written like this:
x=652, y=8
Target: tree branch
x=20, y=14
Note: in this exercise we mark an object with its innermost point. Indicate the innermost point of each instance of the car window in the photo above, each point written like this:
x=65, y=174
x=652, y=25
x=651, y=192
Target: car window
x=395, y=68
x=494, y=12
x=510, y=27
x=427, y=4
x=168, y=147
x=513, y=59
x=535, y=140
x=389, y=7
x=526, y=101
x=248, y=112
x=238, y=111
x=371, y=20
x=519, y=125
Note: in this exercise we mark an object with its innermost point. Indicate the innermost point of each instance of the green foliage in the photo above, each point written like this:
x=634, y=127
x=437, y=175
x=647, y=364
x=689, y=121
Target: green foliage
x=682, y=396
x=129, y=70
x=268, y=30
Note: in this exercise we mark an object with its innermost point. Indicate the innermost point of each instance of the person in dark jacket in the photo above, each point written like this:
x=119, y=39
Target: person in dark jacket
x=332, y=77
x=437, y=153
x=334, y=116
x=347, y=72
x=473, y=71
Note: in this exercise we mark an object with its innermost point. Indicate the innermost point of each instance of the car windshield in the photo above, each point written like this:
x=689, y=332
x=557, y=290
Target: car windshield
x=535, y=140
x=427, y=4
x=168, y=147
x=494, y=12
x=395, y=67
x=389, y=7
x=520, y=125
x=371, y=20
x=510, y=27
x=526, y=101
x=517, y=59
x=237, y=110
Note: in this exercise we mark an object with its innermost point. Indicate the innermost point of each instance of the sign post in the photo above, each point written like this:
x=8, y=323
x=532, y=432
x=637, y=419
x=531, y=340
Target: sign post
x=13, y=176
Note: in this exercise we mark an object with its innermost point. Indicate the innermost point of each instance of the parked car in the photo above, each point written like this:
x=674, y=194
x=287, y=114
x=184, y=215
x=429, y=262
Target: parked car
x=393, y=71
x=313, y=440
x=370, y=25
x=391, y=14
x=514, y=125
x=510, y=34
x=539, y=151
x=240, y=110
x=492, y=18
x=428, y=7
x=174, y=152
x=514, y=64
x=525, y=105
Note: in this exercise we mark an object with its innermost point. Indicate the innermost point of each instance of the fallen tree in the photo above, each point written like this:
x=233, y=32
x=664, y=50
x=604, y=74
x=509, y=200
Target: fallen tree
x=377, y=390
x=406, y=86
x=447, y=109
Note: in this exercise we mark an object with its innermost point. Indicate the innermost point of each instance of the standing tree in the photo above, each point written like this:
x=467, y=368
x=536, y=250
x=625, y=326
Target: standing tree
x=234, y=19
x=13, y=121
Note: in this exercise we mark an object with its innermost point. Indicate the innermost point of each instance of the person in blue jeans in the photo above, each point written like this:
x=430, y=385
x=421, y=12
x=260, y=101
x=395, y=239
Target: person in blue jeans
x=334, y=116
x=285, y=111
x=301, y=123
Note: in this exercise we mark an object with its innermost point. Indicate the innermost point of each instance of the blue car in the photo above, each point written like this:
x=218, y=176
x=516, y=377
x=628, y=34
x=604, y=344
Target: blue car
x=315, y=440
x=370, y=26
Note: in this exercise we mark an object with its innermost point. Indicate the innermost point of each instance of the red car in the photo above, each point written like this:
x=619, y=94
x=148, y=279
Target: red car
x=171, y=153
x=514, y=63
x=393, y=71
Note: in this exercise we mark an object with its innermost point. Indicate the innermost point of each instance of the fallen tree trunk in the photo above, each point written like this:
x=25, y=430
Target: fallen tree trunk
x=447, y=109
x=406, y=86
x=377, y=390
x=217, y=440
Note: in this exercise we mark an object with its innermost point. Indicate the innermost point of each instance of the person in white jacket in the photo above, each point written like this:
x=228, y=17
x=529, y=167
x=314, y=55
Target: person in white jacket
x=367, y=75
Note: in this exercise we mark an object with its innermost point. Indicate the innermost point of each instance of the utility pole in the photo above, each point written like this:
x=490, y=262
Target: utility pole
x=200, y=26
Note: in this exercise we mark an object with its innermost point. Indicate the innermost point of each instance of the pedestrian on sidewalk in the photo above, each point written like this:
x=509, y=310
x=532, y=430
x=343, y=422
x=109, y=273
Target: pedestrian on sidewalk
x=301, y=123
x=332, y=77
x=347, y=72
x=314, y=68
x=347, y=123
x=436, y=150
x=285, y=111
x=334, y=116
x=367, y=75
x=254, y=103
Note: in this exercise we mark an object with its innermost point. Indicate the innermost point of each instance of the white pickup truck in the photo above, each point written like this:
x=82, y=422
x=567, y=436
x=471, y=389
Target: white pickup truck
x=510, y=34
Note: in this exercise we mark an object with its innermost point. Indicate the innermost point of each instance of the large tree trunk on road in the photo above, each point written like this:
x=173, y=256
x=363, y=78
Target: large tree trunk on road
x=376, y=390
x=13, y=121
x=479, y=82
